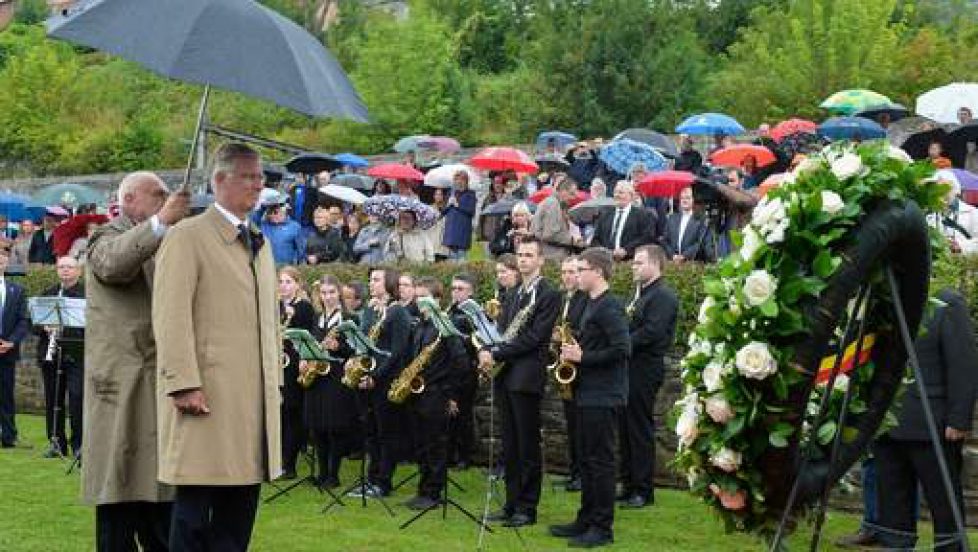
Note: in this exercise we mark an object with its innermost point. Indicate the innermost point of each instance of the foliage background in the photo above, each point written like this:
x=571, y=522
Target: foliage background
x=493, y=71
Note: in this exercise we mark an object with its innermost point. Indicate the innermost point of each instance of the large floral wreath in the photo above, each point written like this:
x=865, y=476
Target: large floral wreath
x=734, y=373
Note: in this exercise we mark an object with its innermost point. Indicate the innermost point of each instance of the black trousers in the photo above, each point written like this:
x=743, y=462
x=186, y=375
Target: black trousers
x=900, y=465
x=8, y=427
x=431, y=415
x=293, y=434
x=597, y=436
x=637, y=443
x=209, y=518
x=522, y=456
x=132, y=526
x=573, y=440
x=331, y=446
x=462, y=431
x=70, y=386
x=383, y=423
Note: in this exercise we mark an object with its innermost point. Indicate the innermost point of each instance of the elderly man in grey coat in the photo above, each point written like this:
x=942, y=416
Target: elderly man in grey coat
x=119, y=437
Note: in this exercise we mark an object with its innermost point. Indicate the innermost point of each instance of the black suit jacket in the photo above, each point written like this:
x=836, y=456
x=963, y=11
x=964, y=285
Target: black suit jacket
x=395, y=337
x=526, y=354
x=697, y=241
x=16, y=324
x=639, y=229
x=575, y=312
x=445, y=372
x=41, y=250
x=72, y=344
x=652, y=329
x=602, y=375
x=949, y=365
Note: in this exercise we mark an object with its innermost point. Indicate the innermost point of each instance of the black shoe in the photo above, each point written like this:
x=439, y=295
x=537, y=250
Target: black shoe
x=330, y=482
x=520, y=519
x=7, y=445
x=590, y=539
x=463, y=465
x=635, y=502
x=501, y=515
x=567, y=531
x=623, y=496
x=423, y=503
x=861, y=539
x=573, y=485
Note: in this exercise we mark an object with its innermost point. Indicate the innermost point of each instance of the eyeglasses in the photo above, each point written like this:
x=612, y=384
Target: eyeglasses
x=460, y=288
x=584, y=268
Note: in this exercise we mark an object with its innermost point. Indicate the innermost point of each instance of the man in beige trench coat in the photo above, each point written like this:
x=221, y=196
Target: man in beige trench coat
x=215, y=316
x=119, y=436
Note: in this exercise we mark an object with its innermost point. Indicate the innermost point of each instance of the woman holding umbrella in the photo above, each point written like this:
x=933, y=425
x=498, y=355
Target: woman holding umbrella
x=458, y=215
x=512, y=231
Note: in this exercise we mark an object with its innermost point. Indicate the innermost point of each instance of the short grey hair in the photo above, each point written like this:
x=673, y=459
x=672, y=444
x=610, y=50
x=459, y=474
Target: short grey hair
x=227, y=154
x=132, y=180
x=625, y=185
x=521, y=207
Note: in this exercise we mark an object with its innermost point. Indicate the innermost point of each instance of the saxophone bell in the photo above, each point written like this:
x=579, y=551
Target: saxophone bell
x=417, y=385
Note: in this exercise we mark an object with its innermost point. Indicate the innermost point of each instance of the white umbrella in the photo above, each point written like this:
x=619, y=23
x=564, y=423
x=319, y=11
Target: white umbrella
x=443, y=176
x=942, y=104
x=344, y=193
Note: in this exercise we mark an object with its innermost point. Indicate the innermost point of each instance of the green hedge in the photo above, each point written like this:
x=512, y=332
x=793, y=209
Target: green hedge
x=686, y=279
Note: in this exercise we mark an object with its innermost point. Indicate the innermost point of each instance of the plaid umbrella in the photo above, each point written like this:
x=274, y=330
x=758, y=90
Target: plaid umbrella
x=621, y=155
x=388, y=207
x=847, y=102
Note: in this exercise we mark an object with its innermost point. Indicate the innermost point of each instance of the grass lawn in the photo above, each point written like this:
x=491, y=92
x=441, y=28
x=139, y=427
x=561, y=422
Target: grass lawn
x=40, y=511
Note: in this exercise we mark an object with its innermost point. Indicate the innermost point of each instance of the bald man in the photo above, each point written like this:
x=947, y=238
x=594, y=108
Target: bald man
x=119, y=437
x=627, y=226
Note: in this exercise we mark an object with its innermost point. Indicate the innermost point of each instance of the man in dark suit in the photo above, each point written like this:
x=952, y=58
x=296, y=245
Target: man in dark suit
x=627, y=226
x=652, y=328
x=687, y=236
x=71, y=379
x=532, y=308
x=462, y=432
x=572, y=307
x=602, y=388
x=905, y=455
x=14, y=326
x=42, y=248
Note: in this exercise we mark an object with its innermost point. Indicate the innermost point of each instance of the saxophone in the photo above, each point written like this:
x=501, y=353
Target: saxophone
x=493, y=308
x=285, y=318
x=630, y=309
x=317, y=368
x=564, y=372
x=511, y=332
x=410, y=379
x=359, y=366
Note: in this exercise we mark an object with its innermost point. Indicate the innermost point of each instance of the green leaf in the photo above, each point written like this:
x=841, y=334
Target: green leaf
x=734, y=427
x=826, y=433
x=822, y=265
x=715, y=288
x=777, y=440
x=769, y=308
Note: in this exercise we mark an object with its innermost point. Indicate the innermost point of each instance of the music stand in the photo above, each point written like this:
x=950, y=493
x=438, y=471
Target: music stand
x=60, y=313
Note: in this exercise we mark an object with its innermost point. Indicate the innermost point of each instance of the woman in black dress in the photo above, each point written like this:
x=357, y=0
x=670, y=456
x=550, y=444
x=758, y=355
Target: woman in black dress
x=330, y=406
x=295, y=311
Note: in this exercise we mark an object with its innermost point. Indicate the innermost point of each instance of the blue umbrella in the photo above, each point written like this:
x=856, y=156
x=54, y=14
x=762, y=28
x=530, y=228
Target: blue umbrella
x=352, y=160
x=559, y=139
x=621, y=155
x=711, y=124
x=851, y=128
x=15, y=206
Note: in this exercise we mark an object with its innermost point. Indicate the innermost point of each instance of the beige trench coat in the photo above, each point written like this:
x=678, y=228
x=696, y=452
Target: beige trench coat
x=216, y=325
x=119, y=443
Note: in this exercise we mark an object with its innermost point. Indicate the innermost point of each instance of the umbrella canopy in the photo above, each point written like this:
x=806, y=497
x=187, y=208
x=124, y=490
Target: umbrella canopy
x=956, y=143
x=503, y=159
x=552, y=164
x=587, y=211
x=847, y=102
x=851, y=128
x=621, y=155
x=942, y=104
x=894, y=111
x=711, y=124
x=440, y=143
x=665, y=183
x=559, y=139
x=355, y=181
x=916, y=144
x=735, y=155
x=410, y=143
x=899, y=131
x=388, y=207
x=237, y=45
x=444, y=176
x=343, y=193
x=273, y=174
x=351, y=160
x=543, y=193
x=965, y=181
x=504, y=207
x=657, y=140
x=18, y=207
x=69, y=194
x=793, y=126
x=312, y=163
x=395, y=171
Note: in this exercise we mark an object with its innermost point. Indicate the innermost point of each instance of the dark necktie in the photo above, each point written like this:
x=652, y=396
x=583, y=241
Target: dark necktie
x=252, y=242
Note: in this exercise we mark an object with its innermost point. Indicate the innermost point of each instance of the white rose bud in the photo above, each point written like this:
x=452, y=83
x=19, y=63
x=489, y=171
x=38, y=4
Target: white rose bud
x=754, y=361
x=713, y=376
x=752, y=242
x=687, y=425
x=831, y=202
x=707, y=304
x=759, y=287
x=727, y=460
x=847, y=165
x=719, y=409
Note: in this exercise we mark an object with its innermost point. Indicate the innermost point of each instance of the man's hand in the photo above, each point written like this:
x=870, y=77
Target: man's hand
x=303, y=366
x=331, y=343
x=5, y=346
x=367, y=383
x=175, y=208
x=571, y=353
x=191, y=401
x=952, y=434
x=485, y=358
x=452, y=408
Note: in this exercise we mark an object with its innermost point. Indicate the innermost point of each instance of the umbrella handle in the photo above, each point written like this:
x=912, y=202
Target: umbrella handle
x=185, y=187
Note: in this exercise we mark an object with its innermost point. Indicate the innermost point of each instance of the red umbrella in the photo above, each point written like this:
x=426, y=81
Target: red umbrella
x=503, y=159
x=543, y=193
x=395, y=171
x=792, y=126
x=70, y=230
x=734, y=156
x=665, y=183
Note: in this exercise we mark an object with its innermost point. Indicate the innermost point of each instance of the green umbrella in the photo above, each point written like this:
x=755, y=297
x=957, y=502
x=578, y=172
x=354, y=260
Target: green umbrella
x=847, y=102
x=69, y=194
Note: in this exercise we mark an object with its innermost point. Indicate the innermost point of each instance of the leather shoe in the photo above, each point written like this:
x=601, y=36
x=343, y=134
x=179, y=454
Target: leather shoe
x=520, y=519
x=623, y=496
x=501, y=515
x=862, y=538
x=567, y=531
x=635, y=501
x=573, y=485
x=590, y=539
x=423, y=503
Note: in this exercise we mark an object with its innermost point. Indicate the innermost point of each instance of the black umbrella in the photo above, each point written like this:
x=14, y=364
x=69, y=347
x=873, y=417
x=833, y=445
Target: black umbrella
x=552, y=164
x=238, y=45
x=273, y=174
x=917, y=143
x=894, y=111
x=312, y=163
x=956, y=143
x=657, y=140
x=504, y=207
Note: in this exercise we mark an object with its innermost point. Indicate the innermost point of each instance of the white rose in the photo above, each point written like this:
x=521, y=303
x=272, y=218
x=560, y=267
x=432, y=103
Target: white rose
x=899, y=154
x=719, y=409
x=776, y=232
x=752, y=242
x=831, y=202
x=768, y=211
x=687, y=425
x=754, y=361
x=807, y=164
x=727, y=460
x=812, y=408
x=713, y=376
x=759, y=287
x=705, y=306
x=847, y=165
x=841, y=382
